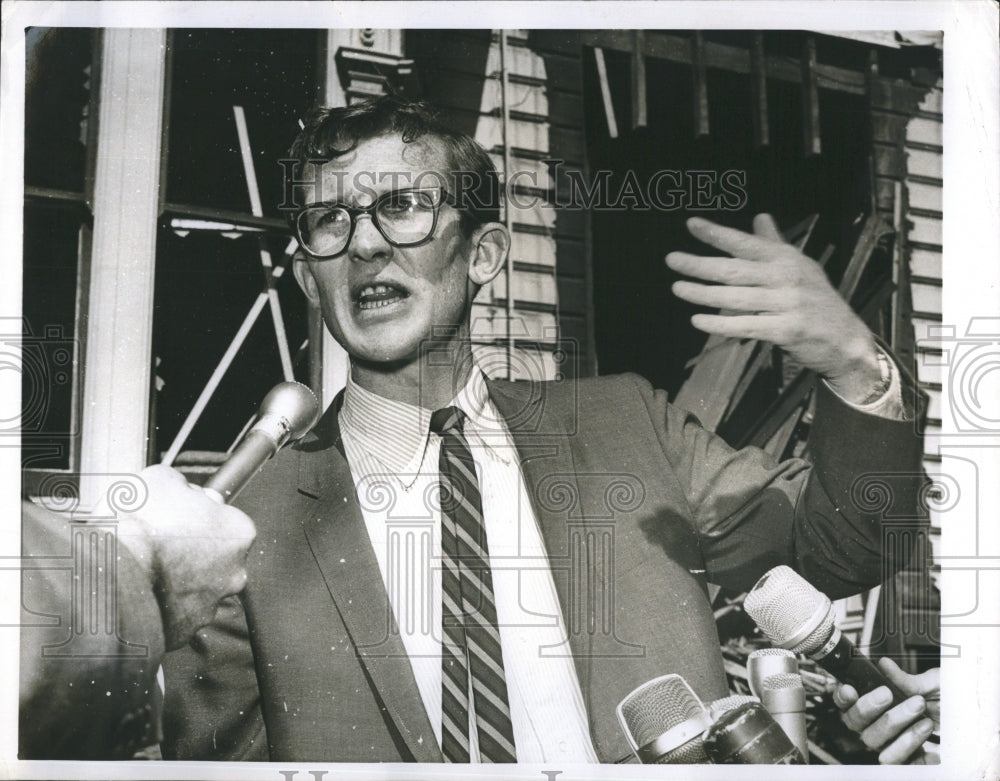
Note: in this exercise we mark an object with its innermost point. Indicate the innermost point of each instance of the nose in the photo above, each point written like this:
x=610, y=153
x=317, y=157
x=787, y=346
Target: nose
x=367, y=244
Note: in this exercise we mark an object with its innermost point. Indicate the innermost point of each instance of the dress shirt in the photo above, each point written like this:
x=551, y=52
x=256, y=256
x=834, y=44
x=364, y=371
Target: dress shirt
x=393, y=458
x=394, y=464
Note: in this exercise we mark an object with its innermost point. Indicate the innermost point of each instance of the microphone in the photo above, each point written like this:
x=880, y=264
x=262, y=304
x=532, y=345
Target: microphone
x=664, y=720
x=287, y=412
x=796, y=616
x=785, y=699
x=765, y=662
x=744, y=733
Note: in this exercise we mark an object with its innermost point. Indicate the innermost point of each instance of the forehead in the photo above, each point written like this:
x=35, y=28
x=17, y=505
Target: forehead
x=377, y=165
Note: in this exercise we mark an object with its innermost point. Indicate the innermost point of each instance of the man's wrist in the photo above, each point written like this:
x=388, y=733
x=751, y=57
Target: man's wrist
x=866, y=379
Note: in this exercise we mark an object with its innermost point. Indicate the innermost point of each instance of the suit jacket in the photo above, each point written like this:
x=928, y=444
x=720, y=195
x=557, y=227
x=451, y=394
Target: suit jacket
x=638, y=506
x=88, y=688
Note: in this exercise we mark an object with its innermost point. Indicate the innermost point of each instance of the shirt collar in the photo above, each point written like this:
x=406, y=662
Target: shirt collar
x=396, y=433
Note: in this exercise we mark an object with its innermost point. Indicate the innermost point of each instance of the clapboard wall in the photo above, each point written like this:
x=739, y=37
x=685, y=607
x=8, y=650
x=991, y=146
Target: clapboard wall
x=459, y=71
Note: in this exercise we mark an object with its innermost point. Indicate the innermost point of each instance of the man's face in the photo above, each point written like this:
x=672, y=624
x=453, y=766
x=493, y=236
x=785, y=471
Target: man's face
x=379, y=301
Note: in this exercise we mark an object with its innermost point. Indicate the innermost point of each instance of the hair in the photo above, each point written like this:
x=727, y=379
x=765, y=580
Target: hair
x=329, y=133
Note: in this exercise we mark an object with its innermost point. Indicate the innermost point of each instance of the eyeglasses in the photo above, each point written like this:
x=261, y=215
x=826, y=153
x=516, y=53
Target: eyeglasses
x=403, y=217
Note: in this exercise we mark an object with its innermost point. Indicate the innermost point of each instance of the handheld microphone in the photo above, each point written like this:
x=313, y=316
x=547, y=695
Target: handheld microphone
x=664, y=720
x=765, y=662
x=744, y=733
x=784, y=696
x=287, y=412
x=796, y=616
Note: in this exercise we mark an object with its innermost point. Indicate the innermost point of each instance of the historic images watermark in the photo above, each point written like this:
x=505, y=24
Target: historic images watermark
x=664, y=190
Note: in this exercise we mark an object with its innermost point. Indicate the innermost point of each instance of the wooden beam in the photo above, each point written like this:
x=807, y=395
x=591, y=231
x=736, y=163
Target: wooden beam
x=874, y=229
x=673, y=48
x=700, y=85
x=639, y=104
x=602, y=77
x=810, y=100
x=758, y=88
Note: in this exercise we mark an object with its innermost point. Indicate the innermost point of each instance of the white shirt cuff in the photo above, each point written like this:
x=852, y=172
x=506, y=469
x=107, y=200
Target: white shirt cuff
x=889, y=404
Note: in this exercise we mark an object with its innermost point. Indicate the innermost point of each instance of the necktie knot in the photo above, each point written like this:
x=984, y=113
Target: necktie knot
x=447, y=420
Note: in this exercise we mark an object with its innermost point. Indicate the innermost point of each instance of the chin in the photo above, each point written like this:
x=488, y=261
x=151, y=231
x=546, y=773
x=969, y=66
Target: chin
x=384, y=348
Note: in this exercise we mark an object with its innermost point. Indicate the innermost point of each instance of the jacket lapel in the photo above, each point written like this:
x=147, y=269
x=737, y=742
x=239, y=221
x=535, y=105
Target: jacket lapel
x=543, y=446
x=544, y=438
x=343, y=552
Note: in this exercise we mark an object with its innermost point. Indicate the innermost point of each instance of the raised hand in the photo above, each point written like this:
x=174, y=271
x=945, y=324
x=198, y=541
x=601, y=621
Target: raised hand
x=896, y=733
x=774, y=293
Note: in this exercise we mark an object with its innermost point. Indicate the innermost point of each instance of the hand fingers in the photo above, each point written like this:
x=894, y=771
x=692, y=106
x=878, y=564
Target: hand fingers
x=868, y=708
x=844, y=696
x=766, y=328
x=892, y=723
x=926, y=683
x=743, y=299
x=764, y=226
x=728, y=271
x=735, y=242
x=903, y=747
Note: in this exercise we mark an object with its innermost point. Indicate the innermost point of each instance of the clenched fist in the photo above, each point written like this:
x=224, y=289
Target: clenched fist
x=195, y=550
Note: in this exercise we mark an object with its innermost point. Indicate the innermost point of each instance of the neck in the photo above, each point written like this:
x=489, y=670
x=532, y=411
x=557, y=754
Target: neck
x=431, y=381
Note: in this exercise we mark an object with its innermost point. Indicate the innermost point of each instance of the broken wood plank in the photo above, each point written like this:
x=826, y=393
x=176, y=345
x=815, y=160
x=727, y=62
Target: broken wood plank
x=639, y=104
x=698, y=75
x=602, y=77
x=810, y=100
x=758, y=89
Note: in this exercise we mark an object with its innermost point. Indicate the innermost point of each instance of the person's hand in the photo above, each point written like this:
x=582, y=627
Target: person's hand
x=774, y=293
x=194, y=547
x=896, y=733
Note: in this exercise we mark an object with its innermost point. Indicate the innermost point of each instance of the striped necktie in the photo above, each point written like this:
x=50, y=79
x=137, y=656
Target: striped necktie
x=470, y=637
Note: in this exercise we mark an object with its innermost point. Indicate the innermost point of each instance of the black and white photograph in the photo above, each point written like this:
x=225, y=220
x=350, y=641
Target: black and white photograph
x=553, y=385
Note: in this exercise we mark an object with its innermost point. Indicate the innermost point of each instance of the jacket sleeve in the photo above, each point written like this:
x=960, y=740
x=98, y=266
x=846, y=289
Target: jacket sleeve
x=844, y=520
x=88, y=666
x=212, y=702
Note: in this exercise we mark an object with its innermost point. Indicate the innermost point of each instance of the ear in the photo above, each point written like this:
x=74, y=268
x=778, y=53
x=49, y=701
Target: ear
x=304, y=276
x=492, y=243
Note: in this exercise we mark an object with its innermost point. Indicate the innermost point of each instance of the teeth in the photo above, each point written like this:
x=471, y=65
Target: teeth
x=378, y=295
x=374, y=290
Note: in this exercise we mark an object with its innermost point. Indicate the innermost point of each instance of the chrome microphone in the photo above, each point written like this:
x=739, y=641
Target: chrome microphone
x=744, y=733
x=798, y=617
x=785, y=699
x=664, y=720
x=765, y=662
x=287, y=412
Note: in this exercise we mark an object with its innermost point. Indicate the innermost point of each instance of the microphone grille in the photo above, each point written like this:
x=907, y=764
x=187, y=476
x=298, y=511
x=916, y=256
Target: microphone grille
x=784, y=605
x=732, y=702
x=770, y=652
x=769, y=661
x=782, y=681
x=657, y=706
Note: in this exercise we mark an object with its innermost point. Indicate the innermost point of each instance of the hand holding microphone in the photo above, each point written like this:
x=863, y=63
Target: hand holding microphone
x=798, y=617
x=193, y=550
x=897, y=733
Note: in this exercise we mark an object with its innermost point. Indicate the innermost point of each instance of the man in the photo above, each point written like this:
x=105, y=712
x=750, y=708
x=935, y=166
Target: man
x=573, y=564
x=88, y=690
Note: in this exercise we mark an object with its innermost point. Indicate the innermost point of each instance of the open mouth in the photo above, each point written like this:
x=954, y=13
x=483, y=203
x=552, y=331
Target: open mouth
x=378, y=296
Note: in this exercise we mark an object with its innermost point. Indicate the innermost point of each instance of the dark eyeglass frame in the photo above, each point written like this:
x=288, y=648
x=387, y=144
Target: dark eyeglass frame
x=353, y=212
